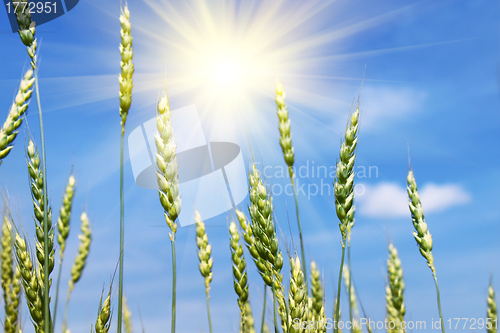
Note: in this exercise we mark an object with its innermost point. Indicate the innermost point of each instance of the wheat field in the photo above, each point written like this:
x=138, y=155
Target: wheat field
x=366, y=190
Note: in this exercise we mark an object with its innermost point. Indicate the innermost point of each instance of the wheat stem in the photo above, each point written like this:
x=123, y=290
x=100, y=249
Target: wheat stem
x=174, y=284
x=120, y=274
x=337, y=303
x=274, y=310
x=438, y=300
x=263, y=322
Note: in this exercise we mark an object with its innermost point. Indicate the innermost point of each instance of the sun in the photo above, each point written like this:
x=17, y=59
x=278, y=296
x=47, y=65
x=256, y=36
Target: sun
x=226, y=72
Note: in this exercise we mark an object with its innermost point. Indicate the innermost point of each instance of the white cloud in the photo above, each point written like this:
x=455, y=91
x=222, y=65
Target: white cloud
x=390, y=200
x=381, y=105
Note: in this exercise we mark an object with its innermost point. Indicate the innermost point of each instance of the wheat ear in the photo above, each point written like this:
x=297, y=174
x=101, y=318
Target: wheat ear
x=125, y=94
x=421, y=233
x=353, y=304
x=287, y=148
x=44, y=240
x=168, y=180
x=240, y=276
x=80, y=261
x=33, y=289
x=127, y=317
x=247, y=321
x=63, y=232
x=315, y=304
x=26, y=29
x=83, y=251
x=64, y=216
x=37, y=184
x=206, y=261
x=269, y=260
x=10, y=128
x=297, y=297
x=127, y=67
x=11, y=278
x=250, y=244
x=344, y=189
x=317, y=291
x=492, y=313
x=394, y=292
x=102, y=323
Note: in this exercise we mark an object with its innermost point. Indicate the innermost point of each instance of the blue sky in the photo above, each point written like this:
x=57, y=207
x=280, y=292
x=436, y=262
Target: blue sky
x=431, y=83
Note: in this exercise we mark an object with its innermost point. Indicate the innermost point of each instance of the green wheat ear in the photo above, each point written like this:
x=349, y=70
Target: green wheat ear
x=297, y=296
x=421, y=233
x=492, y=313
x=206, y=260
x=11, y=278
x=11, y=126
x=103, y=323
x=394, y=292
x=26, y=29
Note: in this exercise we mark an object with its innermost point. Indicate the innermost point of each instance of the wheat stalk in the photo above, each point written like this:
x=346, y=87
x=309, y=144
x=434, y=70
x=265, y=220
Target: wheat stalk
x=394, y=292
x=287, y=148
x=492, y=313
x=344, y=189
x=206, y=261
x=27, y=34
x=102, y=323
x=168, y=180
x=11, y=278
x=421, y=233
x=10, y=128
x=125, y=94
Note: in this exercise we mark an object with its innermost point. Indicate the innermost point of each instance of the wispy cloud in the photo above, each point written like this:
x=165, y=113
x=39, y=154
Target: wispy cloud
x=382, y=105
x=389, y=200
